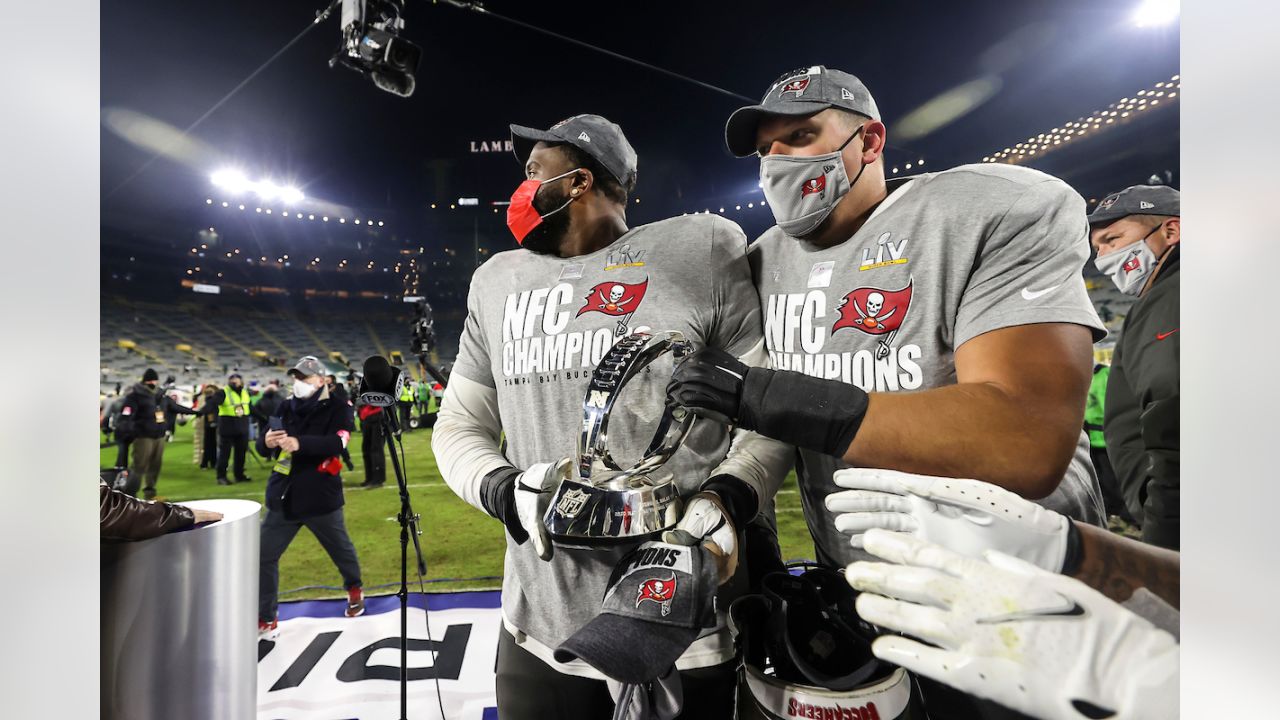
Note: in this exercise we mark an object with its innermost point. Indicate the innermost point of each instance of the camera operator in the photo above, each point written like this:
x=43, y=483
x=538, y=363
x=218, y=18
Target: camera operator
x=310, y=430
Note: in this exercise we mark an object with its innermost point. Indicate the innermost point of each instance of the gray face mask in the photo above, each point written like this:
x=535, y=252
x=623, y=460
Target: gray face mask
x=1130, y=267
x=802, y=191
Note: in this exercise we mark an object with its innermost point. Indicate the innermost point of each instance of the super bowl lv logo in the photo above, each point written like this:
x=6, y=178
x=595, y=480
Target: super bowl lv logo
x=535, y=327
x=797, y=336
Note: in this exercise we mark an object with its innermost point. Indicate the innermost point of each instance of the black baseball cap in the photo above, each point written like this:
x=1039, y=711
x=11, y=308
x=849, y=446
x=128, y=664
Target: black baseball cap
x=1137, y=200
x=800, y=92
x=658, y=600
x=592, y=134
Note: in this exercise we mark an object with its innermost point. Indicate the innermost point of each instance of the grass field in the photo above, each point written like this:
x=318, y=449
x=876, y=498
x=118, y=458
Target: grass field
x=463, y=546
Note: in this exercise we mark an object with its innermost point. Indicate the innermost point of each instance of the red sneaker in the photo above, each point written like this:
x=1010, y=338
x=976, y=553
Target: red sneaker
x=268, y=630
x=355, y=602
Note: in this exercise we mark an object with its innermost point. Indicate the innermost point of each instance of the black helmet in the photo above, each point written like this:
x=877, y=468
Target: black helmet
x=805, y=653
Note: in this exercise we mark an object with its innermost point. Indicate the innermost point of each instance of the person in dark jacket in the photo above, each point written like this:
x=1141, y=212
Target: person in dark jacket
x=305, y=487
x=207, y=428
x=142, y=420
x=111, y=423
x=1137, y=234
x=267, y=406
x=122, y=517
x=339, y=393
x=231, y=405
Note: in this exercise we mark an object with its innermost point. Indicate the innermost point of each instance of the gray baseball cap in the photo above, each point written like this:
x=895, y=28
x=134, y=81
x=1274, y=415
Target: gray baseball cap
x=307, y=367
x=800, y=92
x=1137, y=200
x=657, y=602
x=594, y=135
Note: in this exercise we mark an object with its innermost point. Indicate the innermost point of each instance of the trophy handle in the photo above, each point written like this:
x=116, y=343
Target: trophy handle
x=628, y=356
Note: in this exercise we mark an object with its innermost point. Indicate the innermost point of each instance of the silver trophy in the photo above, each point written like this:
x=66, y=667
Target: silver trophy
x=606, y=504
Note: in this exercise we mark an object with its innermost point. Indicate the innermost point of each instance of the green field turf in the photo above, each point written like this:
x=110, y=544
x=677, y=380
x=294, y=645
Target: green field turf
x=458, y=540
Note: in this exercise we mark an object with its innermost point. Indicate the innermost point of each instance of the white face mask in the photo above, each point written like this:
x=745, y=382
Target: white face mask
x=803, y=190
x=1129, y=267
x=303, y=389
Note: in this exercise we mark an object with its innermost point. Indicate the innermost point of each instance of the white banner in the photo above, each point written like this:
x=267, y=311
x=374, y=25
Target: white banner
x=325, y=666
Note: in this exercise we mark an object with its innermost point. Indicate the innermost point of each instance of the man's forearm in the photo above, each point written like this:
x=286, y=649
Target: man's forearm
x=1116, y=566
x=971, y=430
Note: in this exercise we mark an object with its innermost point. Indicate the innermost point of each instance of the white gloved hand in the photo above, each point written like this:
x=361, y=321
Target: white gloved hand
x=967, y=516
x=534, y=488
x=706, y=521
x=1041, y=643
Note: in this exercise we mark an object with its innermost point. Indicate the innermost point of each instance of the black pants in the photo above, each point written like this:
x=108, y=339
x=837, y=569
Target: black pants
x=404, y=415
x=227, y=444
x=209, y=453
x=122, y=452
x=277, y=532
x=529, y=689
x=371, y=449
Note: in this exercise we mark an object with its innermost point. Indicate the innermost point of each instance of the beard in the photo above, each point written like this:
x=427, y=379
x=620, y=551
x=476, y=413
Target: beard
x=546, y=237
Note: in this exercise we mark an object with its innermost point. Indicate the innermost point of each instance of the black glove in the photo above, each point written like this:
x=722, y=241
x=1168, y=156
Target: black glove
x=498, y=496
x=708, y=384
x=808, y=412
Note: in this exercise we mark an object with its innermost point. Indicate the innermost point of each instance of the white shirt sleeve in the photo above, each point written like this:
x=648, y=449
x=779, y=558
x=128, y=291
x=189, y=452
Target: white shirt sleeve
x=466, y=440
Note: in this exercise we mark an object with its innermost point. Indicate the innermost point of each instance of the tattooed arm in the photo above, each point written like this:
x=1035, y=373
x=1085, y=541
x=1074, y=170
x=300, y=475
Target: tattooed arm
x=1116, y=566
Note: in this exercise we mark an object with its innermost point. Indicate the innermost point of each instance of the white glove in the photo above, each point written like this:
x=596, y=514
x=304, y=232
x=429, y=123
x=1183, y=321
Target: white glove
x=967, y=516
x=533, y=492
x=705, y=521
x=1041, y=643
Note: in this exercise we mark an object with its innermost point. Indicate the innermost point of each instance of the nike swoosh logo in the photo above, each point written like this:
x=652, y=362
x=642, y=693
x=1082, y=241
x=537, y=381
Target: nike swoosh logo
x=1029, y=294
x=1069, y=609
x=1161, y=336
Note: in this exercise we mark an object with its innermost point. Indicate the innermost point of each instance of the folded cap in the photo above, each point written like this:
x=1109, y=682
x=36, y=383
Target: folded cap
x=800, y=92
x=657, y=602
x=1137, y=200
x=307, y=367
x=594, y=135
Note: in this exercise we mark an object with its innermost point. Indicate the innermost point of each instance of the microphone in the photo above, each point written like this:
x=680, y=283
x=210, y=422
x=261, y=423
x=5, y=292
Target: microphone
x=381, y=384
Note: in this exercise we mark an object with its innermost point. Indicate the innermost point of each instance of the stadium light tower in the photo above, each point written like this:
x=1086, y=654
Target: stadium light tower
x=233, y=181
x=1152, y=13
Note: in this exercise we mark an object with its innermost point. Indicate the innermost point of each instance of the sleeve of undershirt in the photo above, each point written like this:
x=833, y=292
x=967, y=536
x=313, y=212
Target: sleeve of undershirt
x=467, y=437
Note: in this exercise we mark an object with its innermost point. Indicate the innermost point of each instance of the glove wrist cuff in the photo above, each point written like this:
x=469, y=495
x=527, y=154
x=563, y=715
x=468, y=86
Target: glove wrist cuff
x=1073, y=556
x=739, y=498
x=808, y=412
x=498, y=498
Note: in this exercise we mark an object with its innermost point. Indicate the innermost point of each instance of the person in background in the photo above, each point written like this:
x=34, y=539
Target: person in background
x=268, y=404
x=231, y=404
x=405, y=403
x=110, y=421
x=372, y=442
x=122, y=517
x=339, y=393
x=305, y=488
x=1137, y=235
x=422, y=400
x=206, y=430
x=143, y=421
x=1094, y=413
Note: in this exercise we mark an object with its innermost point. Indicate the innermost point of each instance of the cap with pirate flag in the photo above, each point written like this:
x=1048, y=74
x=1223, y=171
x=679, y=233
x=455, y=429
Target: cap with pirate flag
x=592, y=134
x=658, y=600
x=308, y=366
x=800, y=92
x=1137, y=200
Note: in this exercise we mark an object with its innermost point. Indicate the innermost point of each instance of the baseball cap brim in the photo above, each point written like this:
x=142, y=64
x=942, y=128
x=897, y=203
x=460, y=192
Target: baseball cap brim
x=740, y=131
x=650, y=648
x=1105, y=216
x=524, y=138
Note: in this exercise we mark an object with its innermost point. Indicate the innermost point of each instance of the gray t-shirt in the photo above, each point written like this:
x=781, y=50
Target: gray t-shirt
x=536, y=327
x=946, y=257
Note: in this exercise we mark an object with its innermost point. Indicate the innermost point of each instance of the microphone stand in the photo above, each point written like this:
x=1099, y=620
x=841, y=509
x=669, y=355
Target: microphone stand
x=409, y=527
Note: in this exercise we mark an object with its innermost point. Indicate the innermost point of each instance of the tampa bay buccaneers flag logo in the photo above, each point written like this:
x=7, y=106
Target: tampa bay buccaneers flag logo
x=658, y=590
x=875, y=311
x=615, y=299
x=814, y=185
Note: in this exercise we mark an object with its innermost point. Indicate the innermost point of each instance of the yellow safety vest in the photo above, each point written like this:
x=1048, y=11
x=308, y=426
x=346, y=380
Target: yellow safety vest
x=406, y=395
x=234, y=404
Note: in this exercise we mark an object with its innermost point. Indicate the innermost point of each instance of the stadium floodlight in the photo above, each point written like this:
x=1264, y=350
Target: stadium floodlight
x=291, y=195
x=233, y=181
x=267, y=190
x=1156, y=12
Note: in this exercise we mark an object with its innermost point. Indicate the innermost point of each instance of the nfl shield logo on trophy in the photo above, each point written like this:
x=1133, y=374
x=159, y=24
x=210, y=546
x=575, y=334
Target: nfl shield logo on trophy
x=571, y=503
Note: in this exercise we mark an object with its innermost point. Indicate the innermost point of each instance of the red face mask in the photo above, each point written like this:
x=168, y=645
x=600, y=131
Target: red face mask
x=522, y=217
